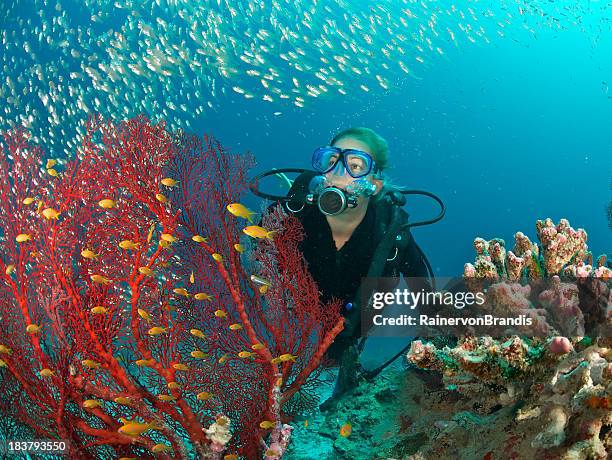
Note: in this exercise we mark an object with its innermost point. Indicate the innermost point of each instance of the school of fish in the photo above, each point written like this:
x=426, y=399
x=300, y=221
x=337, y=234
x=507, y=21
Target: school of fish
x=176, y=59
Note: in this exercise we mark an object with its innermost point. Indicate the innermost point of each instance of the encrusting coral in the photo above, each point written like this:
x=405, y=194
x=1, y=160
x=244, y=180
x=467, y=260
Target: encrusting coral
x=555, y=379
x=567, y=392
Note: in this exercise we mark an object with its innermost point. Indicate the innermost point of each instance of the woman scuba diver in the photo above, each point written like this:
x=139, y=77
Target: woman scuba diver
x=354, y=228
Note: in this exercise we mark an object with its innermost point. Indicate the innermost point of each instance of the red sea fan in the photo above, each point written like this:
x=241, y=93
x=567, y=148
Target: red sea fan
x=123, y=299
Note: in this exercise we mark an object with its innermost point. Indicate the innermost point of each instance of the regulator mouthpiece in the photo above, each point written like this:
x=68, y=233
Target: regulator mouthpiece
x=332, y=200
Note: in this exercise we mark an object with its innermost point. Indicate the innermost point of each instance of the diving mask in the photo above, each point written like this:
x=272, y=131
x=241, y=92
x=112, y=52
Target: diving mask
x=356, y=162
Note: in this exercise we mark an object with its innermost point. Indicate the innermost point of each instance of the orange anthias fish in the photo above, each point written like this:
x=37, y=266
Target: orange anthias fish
x=169, y=182
x=107, y=203
x=240, y=210
x=345, y=430
x=255, y=231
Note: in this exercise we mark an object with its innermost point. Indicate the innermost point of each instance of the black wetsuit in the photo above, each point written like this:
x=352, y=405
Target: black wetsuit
x=338, y=273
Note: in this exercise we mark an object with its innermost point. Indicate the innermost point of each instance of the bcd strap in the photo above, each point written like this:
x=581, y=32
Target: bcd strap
x=379, y=260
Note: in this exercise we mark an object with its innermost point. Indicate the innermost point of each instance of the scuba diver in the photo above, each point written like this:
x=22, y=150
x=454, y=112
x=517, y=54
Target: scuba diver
x=354, y=228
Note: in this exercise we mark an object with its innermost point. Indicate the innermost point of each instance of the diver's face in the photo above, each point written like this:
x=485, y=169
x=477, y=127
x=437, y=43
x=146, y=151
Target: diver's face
x=338, y=176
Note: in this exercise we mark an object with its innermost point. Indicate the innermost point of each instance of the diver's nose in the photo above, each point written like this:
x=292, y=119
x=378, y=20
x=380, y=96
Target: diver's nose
x=339, y=170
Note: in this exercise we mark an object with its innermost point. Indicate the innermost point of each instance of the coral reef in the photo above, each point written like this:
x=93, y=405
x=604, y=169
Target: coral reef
x=555, y=282
x=552, y=383
x=562, y=251
x=559, y=395
x=129, y=322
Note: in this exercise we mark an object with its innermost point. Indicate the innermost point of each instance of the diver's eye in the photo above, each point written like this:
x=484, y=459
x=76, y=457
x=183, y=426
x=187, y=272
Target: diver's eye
x=357, y=166
x=332, y=160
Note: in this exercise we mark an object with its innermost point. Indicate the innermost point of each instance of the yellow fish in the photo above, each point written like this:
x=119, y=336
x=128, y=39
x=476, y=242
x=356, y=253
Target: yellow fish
x=204, y=396
x=220, y=314
x=164, y=244
x=166, y=398
x=230, y=457
x=88, y=254
x=275, y=360
x=279, y=382
x=257, y=346
x=181, y=291
x=222, y=359
x=156, y=330
x=169, y=182
x=150, y=235
x=128, y=244
x=255, y=231
x=91, y=404
x=99, y=310
x=198, y=354
x=33, y=328
x=3, y=363
x=90, y=364
x=287, y=357
x=192, y=278
x=305, y=423
x=202, y=296
x=123, y=400
x=9, y=269
x=6, y=350
x=145, y=362
x=173, y=385
x=263, y=289
x=168, y=237
x=238, y=247
x=197, y=333
x=46, y=372
x=161, y=198
x=136, y=428
x=52, y=172
x=50, y=163
x=158, y=448
x=240, y=210
x=23, y=237
x=145, y=271
x=199, y=239
x=107, y=203
x=180, y=367
x=28, y=200
x=345, y=430
x=267, y=424
x=218, y=257
x=144, y=315
x=235, y=327
x=99, y=279
x=245, y=354
x=50, y=213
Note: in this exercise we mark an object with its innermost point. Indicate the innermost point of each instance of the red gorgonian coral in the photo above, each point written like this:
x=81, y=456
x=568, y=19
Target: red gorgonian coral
x=128, y=318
